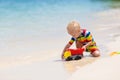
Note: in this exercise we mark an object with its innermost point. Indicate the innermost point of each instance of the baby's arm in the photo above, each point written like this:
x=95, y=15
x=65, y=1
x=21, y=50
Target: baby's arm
x=89, y=39
x=66, y=47
x=85, y=46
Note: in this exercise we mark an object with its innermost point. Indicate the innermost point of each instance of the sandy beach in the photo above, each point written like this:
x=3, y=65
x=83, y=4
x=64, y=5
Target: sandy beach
x=105, y=68
x=31, y=43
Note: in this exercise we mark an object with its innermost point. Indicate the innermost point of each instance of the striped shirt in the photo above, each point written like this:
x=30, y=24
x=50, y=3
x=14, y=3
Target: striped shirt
x=83, y=38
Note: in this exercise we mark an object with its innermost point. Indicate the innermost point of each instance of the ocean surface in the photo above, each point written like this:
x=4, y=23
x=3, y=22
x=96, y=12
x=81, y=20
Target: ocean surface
x=32, y=30
x=33, y=35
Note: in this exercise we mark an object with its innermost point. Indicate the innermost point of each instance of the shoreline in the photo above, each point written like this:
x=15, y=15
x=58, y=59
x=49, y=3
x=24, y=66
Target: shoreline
x=52, y=68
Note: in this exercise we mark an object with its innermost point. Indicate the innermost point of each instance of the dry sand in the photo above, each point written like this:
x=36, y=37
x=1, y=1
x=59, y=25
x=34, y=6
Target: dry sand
x=89, y=68
x=102, y=69
x=106, y=68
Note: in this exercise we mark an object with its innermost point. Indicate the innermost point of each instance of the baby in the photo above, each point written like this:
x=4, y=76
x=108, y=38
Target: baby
x=83, y=39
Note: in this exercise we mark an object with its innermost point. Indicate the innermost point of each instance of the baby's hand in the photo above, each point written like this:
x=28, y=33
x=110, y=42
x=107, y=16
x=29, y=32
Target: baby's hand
x=62, y=56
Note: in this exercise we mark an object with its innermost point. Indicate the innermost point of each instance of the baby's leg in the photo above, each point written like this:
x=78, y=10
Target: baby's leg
x=94, y=50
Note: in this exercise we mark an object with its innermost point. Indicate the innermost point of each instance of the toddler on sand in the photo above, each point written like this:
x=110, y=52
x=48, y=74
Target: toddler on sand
x=83, y=39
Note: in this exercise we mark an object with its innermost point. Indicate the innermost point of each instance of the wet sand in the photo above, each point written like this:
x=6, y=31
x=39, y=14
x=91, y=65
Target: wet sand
x=55, y=69
x=51, y=69
x=105, y=68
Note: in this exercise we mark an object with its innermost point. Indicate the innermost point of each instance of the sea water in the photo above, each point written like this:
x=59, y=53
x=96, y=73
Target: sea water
x=31, y=30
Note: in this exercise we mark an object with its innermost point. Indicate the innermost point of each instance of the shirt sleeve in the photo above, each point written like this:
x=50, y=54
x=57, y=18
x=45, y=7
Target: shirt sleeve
x=71, y=41
x=89, y=36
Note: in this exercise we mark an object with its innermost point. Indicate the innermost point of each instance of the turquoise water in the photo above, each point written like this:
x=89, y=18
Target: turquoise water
x=35, y=30
x=33, y=34
x=32, y=17
x=32, y=26
x=40, y=13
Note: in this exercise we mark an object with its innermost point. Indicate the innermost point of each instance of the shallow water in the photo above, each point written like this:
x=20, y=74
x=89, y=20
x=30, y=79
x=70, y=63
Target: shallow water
x=31, y=26
x=37, y=28
x=32, y=31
